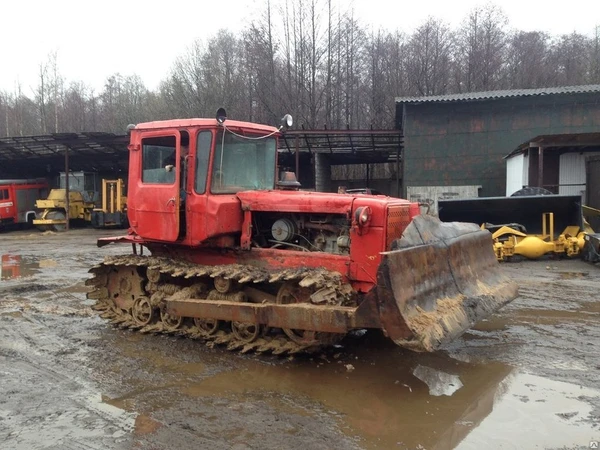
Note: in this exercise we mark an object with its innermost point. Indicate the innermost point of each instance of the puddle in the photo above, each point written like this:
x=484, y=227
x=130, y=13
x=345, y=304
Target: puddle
x=440, y=383
x=533, y=412
x=15, y=266
x=392, y=399
x=400, y=407
x=383, y=401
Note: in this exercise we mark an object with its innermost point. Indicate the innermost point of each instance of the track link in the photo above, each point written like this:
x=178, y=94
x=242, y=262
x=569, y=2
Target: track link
x=157, y=279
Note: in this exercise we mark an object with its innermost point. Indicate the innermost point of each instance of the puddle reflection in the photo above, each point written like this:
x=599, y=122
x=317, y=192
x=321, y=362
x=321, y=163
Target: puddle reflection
x=392, y=398
x=14, y=266
x=382, y=400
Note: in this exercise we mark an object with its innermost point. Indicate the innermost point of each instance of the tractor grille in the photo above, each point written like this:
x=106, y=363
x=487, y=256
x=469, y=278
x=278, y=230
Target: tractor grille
x=398, y=218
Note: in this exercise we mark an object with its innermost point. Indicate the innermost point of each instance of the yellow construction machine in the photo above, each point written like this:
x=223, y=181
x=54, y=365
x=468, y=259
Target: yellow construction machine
x=528, y=226
x=114, y=206
x=52, y=212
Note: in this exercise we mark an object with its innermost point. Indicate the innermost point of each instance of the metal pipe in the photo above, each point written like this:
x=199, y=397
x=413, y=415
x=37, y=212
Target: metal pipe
x=297, y=158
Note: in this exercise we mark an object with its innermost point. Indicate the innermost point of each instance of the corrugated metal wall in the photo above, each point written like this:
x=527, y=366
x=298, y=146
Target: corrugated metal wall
x=463, y=143
x=572, y=176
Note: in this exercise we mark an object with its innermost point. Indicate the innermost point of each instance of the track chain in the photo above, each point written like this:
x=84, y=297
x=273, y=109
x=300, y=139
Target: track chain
x=315, y=279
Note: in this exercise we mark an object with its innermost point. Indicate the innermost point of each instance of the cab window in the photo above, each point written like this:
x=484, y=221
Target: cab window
x=243, y=164
x=158, y=160
x=203, y=145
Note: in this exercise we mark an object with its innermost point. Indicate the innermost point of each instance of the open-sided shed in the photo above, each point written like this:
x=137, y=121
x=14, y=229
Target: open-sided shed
x=323, y=158
x=48, y=155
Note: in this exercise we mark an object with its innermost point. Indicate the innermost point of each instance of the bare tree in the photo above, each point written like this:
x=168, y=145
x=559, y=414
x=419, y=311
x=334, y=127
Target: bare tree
x=183, y=90
x=377, y=85
x=262, y=69
x=41, y=95
x=75, y=114
x=5, y=110
x=480, y=49
x=24, y=114
x=570, y=58
x=594, y=71
x=527, y=64
x=429, y=56
x=122, y=101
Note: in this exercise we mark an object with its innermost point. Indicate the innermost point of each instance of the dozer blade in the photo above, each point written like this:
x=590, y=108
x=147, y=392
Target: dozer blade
x=438, y=280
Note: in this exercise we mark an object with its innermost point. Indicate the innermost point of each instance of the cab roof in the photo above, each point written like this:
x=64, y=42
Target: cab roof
x=208, y=123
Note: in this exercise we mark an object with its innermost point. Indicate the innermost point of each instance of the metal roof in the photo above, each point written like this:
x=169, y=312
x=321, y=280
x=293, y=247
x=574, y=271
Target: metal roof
x=38, y=156
x=581, y=141
x=44, y=155
x=345, y=146
x=495, y=95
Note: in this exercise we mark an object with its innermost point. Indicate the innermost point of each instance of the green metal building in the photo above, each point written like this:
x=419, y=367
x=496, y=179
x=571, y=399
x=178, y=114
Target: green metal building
x=462, y=139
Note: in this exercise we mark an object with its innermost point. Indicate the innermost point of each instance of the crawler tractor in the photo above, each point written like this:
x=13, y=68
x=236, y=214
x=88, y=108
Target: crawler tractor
x=239, y=256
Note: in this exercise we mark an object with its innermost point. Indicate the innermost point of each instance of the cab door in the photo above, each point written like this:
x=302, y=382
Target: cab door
x=155, y=200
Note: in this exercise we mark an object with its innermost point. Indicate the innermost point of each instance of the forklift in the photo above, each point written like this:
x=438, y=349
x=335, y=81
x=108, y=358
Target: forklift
x=113, y=213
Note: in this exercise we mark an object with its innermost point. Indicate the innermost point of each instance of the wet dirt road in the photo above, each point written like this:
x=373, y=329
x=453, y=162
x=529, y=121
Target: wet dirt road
x=529, y=377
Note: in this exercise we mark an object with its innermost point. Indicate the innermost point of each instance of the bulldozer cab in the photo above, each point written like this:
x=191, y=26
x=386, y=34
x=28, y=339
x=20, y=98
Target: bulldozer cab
x=179, y=173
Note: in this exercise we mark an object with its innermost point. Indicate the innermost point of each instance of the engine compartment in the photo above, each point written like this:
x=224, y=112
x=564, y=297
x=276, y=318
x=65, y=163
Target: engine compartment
x=329, y=233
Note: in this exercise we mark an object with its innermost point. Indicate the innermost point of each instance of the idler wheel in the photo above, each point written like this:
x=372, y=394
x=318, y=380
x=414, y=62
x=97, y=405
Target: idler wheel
x=170, y=322
x=289, y=294
x=142, y=311
x=245, y=332
x=223, y=285
x=208, y=326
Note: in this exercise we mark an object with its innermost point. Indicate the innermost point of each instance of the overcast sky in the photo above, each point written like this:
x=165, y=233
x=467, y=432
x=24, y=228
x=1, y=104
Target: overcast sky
x=95, y=39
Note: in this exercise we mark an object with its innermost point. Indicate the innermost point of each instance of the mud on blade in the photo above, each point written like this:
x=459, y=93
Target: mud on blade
x=439, y=279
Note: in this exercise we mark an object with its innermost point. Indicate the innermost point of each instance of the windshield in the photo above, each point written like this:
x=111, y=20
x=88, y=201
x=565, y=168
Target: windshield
x=84, y=182
x=242, y=164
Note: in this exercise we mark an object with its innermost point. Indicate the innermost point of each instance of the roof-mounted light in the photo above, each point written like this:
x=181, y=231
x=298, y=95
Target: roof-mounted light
x=221, y=116
x=287, y=121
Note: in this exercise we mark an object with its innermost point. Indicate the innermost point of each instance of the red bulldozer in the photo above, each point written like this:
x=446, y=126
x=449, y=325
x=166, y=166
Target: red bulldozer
x=240, y=256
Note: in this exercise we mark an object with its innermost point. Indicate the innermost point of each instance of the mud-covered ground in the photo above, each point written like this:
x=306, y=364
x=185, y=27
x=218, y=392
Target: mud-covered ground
x=529, y=377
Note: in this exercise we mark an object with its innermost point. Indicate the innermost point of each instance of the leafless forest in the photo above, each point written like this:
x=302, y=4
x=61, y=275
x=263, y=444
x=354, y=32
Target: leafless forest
x=321, y=64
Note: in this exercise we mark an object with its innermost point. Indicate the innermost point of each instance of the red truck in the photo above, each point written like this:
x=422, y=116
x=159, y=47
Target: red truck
x=17, y=200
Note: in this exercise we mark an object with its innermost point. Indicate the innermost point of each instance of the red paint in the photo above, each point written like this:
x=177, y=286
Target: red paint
x=296, y=201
